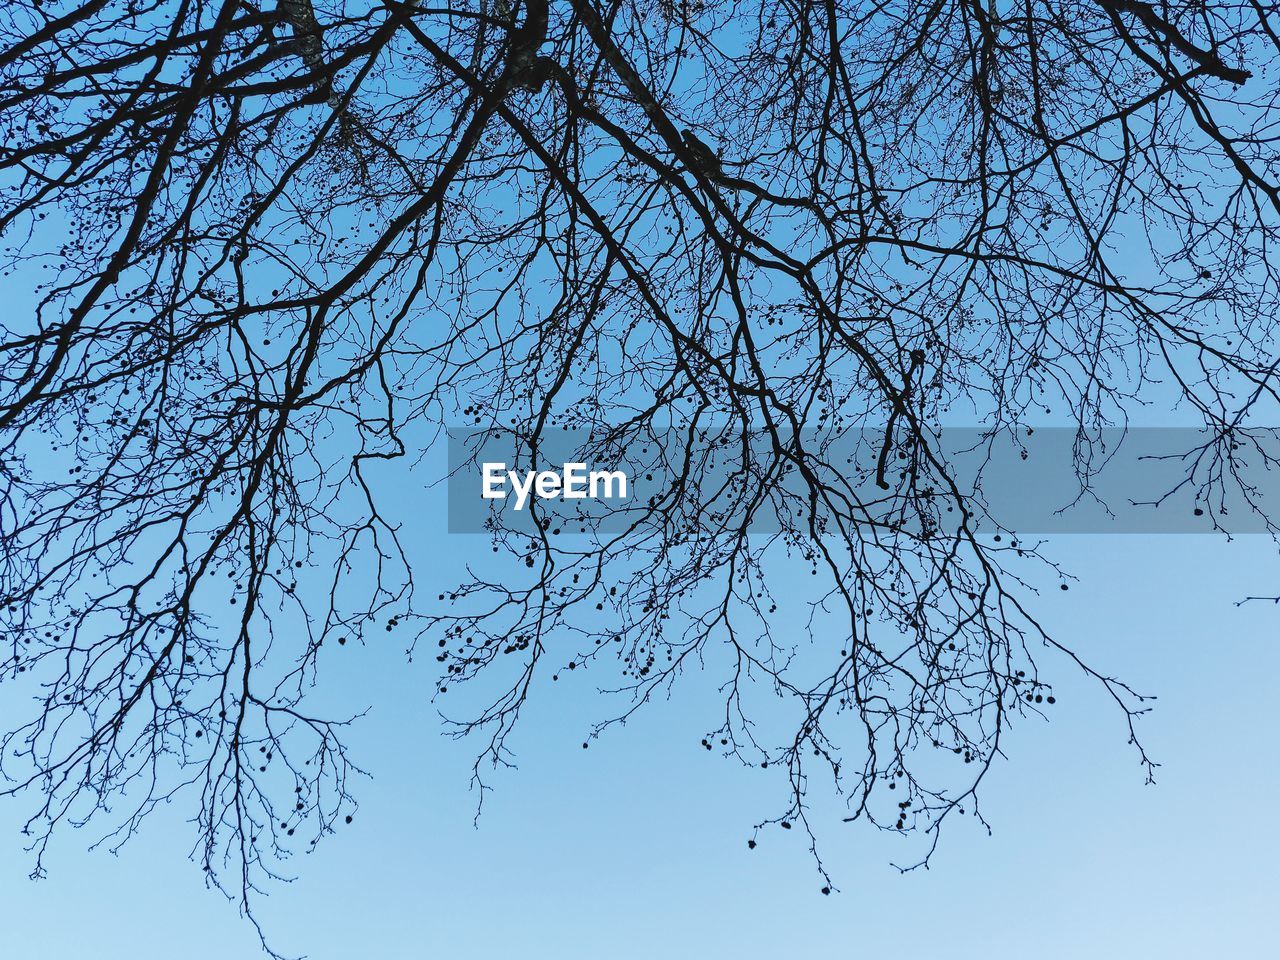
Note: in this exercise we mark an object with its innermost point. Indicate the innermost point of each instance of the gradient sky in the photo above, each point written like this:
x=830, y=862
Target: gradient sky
x=637, y=846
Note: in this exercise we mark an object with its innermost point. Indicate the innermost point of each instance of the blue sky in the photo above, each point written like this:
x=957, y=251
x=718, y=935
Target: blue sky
x=637, y=847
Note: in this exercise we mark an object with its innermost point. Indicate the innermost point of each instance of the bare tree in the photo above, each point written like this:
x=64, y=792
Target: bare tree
x=267, y=246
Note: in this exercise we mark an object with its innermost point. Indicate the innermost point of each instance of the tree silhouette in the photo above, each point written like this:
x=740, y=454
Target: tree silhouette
x=263, y=251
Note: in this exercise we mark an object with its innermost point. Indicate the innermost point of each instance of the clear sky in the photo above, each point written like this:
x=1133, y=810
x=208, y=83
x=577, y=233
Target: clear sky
x=637, y=846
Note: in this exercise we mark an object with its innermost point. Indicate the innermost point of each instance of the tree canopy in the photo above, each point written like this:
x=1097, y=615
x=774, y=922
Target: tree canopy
x=261, y=254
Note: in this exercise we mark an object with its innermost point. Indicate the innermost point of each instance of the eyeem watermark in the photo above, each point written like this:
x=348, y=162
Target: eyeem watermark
x=574, y=481
x=1042, y=481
